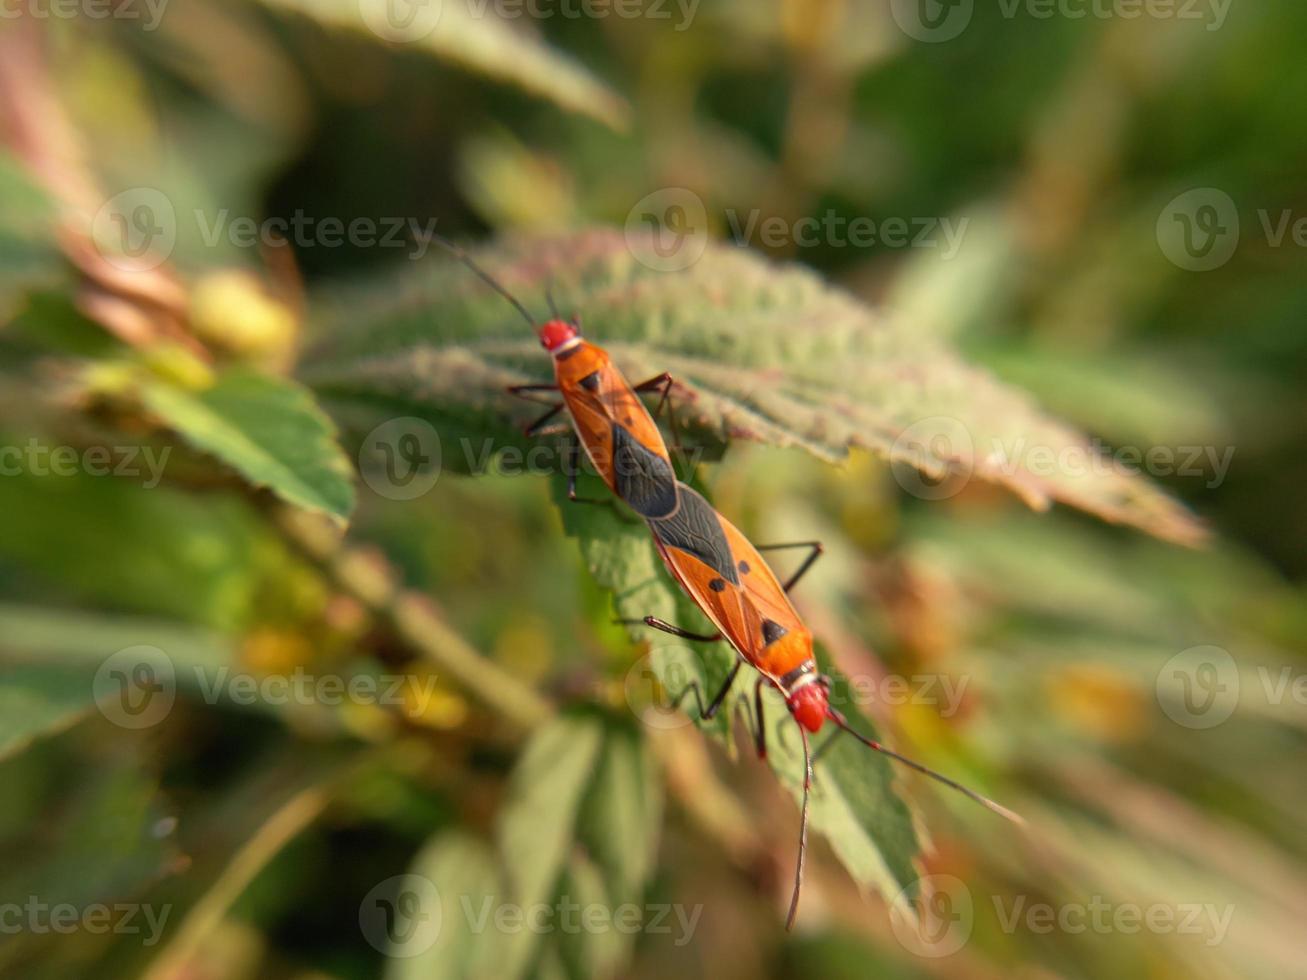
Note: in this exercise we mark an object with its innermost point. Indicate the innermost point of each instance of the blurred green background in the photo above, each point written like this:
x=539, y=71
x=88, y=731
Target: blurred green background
x=1123, y=185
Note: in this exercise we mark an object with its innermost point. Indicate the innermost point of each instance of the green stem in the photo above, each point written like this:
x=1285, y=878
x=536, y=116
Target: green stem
x=413, y=617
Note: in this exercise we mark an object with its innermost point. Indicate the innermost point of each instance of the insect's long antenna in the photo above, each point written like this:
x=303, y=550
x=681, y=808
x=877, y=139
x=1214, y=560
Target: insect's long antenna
x=803, y=830
x=485, y=277
x=984, y=801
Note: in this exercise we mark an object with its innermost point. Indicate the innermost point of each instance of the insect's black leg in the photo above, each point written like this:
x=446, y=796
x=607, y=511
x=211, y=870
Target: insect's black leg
x=572, y=462
x=534, y=428
x=755, y=724
x=814, y=554
x=710, y=712
x=658, y=624
x=803, y=829
x=664, y=383
x=531, y=392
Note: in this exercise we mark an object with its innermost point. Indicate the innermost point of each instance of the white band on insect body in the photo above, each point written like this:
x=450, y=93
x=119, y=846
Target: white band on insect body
x=809, y=676
x=566, y=346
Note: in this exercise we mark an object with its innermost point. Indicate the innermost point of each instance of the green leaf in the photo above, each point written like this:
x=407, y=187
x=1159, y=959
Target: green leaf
x=538, y=825
x=37, y=700
x=95, y=794
x=139, y=547
x=583, y=952
x=767, y=352
x=82, y=639
x=466, y=876
x=473, y=36
x=267, y=429
x=623, y=813
x=50, y=323
x=579, y=828
x=1138, y=398
x=853, y=803
x=49, y=658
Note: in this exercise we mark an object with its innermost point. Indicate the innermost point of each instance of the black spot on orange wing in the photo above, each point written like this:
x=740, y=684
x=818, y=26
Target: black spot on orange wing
x=771, y=632
x=591, y=381
x=695, y=529
x=642, y=478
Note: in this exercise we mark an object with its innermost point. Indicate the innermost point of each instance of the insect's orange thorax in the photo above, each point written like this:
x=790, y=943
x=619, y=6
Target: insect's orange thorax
x=784, y=655
x=577, y=361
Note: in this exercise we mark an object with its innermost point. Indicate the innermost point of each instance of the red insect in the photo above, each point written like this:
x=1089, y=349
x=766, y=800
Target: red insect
x=707, y=555
x=610, y=421
x=730, y=582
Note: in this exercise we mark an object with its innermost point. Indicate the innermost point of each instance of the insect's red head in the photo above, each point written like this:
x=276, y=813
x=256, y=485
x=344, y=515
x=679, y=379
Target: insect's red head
x=809, y=705
x=557, y=334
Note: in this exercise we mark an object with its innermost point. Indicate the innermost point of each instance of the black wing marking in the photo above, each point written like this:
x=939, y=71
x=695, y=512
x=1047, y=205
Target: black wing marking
x=772, y=631
x=696, y=530
x=643, y=479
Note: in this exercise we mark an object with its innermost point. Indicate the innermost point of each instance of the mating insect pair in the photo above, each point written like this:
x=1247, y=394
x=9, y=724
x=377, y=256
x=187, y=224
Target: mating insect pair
x=712, y=561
